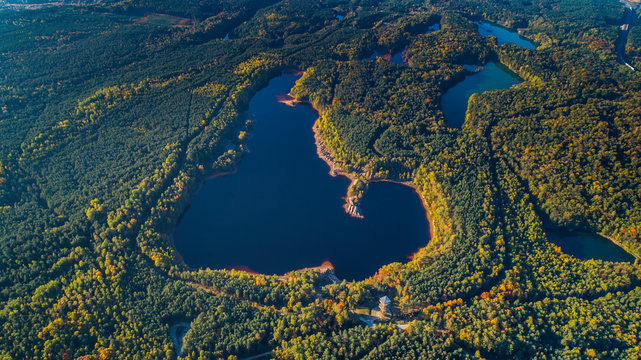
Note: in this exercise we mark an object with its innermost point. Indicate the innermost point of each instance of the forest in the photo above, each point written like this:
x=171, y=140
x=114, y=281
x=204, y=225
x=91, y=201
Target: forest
x=112, y=112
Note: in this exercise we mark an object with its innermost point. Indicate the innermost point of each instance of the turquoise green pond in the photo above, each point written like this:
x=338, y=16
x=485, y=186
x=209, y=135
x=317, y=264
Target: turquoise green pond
x=492, y=76
x=504, y=35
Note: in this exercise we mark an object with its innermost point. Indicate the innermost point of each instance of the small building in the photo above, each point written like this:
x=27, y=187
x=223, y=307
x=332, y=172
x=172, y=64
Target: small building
x=384, y=303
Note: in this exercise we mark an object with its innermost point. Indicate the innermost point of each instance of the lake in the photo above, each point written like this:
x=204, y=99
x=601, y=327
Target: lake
x=583, y=245
x=504, y=35
x=282, y=210
x=492, y=76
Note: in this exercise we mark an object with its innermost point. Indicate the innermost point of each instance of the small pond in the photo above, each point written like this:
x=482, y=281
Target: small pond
x=177, y=332
x=492, y=76
x=583, y=245
x=433, y=28
x=504, y=35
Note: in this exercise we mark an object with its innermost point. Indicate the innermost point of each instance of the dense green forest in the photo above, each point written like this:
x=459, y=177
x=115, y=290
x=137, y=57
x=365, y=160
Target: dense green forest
x=113, y=112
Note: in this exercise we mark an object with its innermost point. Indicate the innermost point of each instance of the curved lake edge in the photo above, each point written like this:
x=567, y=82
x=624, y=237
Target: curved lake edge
x=629, y=14
x=336, y=170
x=516, y=31
x=637, y=258
x=551, y=230
x=177, y=337
x=325, y=265
x=192, y=196
x=504, y=35
x=214, y=173
x=465, y=74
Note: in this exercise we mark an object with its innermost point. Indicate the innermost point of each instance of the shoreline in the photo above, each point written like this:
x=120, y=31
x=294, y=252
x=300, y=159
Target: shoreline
x=173, y=227
x=176, y=337
x=326, y=268
x=324, y=154
x=636, y=257
x=351, y=203
x=549, y=225
x=358, y=174
x=218, y=175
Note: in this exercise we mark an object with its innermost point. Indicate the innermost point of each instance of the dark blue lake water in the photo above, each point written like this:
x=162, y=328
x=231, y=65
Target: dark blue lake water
x=492, y=77
x=504, y=35
x=283, y=211
x=583, y=245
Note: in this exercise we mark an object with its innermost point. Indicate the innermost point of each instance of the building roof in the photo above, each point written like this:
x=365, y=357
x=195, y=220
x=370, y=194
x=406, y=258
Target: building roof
x=385, y=300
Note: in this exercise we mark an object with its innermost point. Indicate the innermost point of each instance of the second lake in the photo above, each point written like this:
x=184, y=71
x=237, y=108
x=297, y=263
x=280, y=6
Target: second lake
x=493, y=76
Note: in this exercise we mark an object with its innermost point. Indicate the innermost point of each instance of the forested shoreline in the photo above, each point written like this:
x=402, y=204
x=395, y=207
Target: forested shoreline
x=112, y=113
